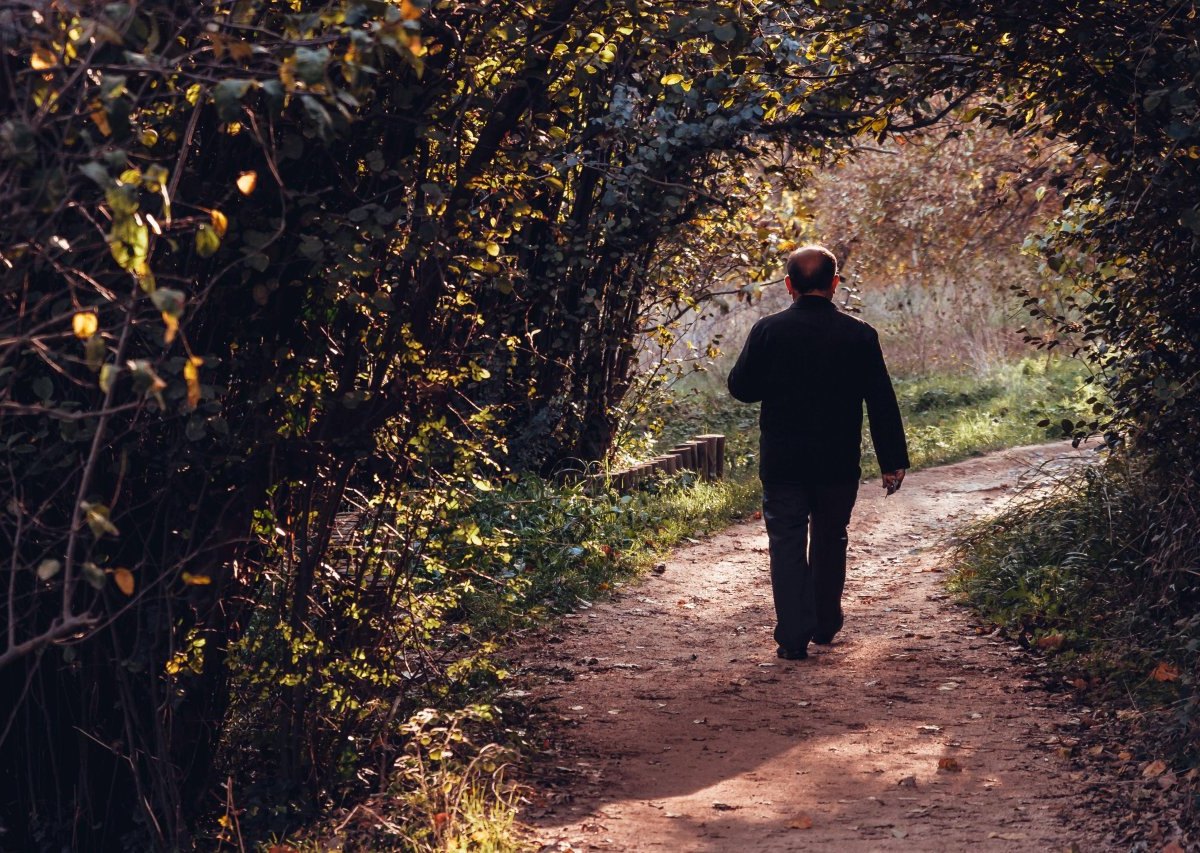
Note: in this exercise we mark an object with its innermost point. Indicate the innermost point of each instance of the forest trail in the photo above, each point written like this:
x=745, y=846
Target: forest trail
x=679, y=730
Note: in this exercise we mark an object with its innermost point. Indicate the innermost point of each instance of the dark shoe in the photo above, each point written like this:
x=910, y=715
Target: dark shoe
x=825, y=638
x=791, y=654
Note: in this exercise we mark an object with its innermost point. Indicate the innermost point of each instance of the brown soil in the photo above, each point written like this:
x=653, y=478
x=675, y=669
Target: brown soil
x=681, y=730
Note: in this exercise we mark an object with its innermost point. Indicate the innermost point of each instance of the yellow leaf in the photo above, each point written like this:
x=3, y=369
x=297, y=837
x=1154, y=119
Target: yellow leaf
x=107, y=373
x=43, y=58
x=191, y=375
x=123, y=578
x=196, y=580
x=671, y=79
x=98, y=520
x=100, y=117
x=172, y=324
x=85, y=324
x=493, y=249
x=219, y=222
x=802, y=822
x=409, y=11
x=246, y=182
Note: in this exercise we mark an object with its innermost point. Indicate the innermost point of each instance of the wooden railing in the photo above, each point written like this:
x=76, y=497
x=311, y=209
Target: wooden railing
x=704, y=455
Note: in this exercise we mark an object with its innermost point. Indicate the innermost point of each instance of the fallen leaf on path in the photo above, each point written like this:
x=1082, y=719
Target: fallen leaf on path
x=949, y=685
x=899, y=833
x=757, y=515
x=929, y=730
x=1154, y=768
x=802, y=822
x=949, y=765
x=908, y=782
x=1051, y=642
x=1007, y=836
x=725, y=807
x=1165, y=672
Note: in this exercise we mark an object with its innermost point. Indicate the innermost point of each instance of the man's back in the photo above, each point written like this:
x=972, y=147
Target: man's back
x=812, y=367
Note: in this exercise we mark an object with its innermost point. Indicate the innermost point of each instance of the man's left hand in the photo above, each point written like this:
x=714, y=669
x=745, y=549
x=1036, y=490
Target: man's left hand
x=892, y=480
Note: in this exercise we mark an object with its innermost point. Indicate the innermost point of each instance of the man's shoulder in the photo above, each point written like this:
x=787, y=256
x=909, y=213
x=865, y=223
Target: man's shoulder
x=855, y=324
x=789, y=319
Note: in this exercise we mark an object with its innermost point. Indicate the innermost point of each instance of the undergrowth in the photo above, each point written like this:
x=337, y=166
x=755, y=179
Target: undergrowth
x=1100, y=575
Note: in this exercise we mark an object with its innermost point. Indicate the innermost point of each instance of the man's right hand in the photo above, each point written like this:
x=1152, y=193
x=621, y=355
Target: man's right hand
x=892, y=480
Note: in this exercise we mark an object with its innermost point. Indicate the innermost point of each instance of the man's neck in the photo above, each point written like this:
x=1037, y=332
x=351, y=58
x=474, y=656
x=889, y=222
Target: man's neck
x=824, y=294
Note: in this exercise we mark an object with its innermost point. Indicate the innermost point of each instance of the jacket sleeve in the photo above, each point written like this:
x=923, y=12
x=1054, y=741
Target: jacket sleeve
x=746, y=379
x=887, y=428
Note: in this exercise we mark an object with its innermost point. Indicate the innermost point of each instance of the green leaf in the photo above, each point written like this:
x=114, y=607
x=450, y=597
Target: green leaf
x=207, y=241
x=97, y=173
x=310, y=64
x=169, y=301
x=94, y=351
x=227, y=95
x=94, y=575
x=129, y=242
x=725, y=33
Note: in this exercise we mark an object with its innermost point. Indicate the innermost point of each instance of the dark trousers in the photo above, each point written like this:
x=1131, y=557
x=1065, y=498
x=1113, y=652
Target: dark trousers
x=806, y=527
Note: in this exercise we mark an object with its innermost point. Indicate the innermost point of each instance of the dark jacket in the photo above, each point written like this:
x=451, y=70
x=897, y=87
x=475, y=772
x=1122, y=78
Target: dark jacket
x=812, y=367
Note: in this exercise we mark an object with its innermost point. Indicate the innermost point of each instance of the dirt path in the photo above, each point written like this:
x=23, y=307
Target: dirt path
x=683, y=731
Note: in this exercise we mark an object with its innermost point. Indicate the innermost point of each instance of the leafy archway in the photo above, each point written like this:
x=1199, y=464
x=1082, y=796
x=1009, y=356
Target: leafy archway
x=260, y=255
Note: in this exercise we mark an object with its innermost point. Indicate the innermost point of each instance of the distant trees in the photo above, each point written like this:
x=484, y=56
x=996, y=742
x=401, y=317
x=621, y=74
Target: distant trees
x=263, y=255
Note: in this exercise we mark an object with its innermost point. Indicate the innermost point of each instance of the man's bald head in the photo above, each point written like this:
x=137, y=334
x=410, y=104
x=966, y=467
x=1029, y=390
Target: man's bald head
x=812, y=268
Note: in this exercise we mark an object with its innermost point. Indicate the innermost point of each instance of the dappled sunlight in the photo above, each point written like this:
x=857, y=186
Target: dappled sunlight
x=682, y=721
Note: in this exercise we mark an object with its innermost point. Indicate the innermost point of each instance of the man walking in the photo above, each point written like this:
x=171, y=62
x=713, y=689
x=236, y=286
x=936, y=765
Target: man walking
x=812, y=367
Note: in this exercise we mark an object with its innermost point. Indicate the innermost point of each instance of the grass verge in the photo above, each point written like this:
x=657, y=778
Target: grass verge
x=947, y=418
x=1100, y=577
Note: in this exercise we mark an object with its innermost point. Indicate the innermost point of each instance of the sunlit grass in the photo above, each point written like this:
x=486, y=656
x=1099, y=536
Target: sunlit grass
x=947, y=418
